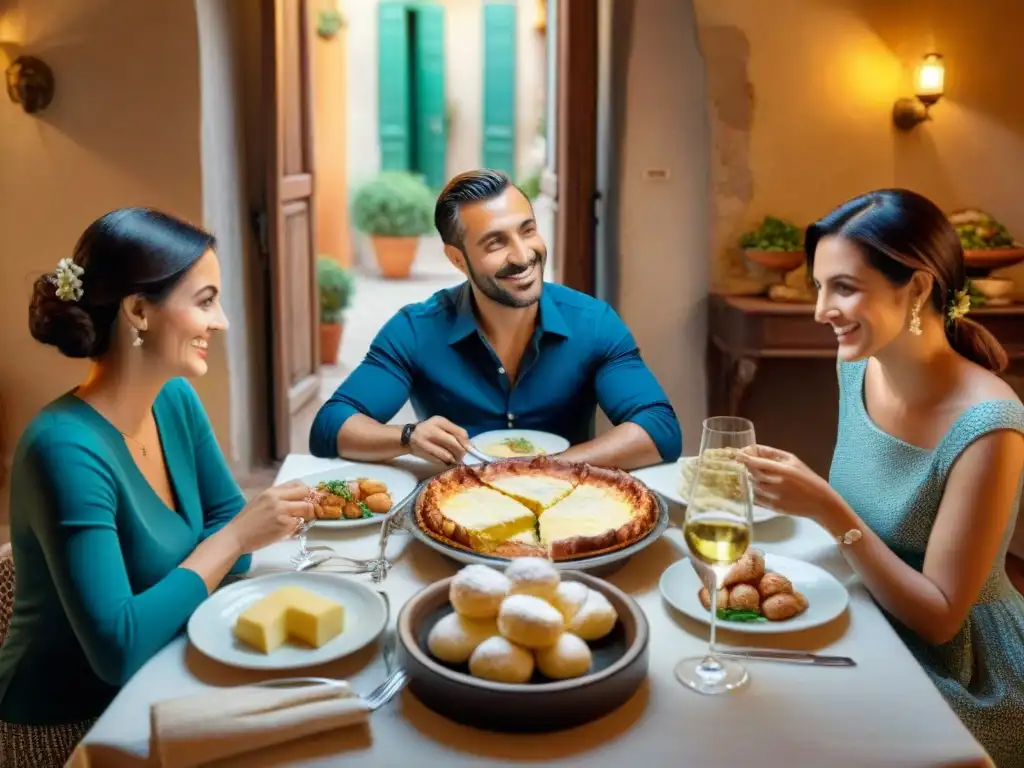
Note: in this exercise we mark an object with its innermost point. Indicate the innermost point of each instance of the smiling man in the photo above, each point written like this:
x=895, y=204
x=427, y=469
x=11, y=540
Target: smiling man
x=502, y=350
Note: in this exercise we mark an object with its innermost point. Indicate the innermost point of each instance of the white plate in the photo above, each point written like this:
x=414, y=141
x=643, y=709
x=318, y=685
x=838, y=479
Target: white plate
x=546, y=441
x=826, y=597
x=400, y=484
x=665, y=479
x=211, y=628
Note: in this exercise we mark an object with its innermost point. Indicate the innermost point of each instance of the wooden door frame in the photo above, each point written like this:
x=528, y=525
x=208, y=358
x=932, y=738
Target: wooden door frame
x=285, y=399
x=576, y=51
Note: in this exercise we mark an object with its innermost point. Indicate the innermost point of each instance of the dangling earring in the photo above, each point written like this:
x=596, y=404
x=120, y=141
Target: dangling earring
x=137, y=340
x=915, y=318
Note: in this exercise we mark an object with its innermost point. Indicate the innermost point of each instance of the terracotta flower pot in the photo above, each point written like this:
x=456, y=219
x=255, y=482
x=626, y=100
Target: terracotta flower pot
x=395, y=255
x=330, y=342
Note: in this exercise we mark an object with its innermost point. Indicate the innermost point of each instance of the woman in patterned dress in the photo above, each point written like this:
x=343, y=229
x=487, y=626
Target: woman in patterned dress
x=926, y=476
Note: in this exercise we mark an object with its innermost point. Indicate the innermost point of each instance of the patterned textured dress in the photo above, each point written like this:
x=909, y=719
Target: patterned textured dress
x=980, y=672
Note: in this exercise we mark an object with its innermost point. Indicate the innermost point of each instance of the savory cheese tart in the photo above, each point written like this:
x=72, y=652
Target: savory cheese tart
x=545, y=507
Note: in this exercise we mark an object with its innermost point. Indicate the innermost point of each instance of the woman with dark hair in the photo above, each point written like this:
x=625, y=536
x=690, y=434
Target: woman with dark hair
x=927, y=471
x=124, y=514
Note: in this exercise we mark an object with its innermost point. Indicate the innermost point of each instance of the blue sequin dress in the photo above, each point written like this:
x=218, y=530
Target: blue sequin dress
x=896, y=488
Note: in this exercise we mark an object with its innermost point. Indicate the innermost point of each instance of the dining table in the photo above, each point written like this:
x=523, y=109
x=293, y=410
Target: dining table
x=884, y=711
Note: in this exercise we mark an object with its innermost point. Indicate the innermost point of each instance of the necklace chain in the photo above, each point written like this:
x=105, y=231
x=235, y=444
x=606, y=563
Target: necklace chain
x=144, y=454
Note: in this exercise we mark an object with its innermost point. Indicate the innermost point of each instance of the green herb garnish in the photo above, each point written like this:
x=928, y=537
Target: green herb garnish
x=340, y=488
x=731, y=614
x=519, y=445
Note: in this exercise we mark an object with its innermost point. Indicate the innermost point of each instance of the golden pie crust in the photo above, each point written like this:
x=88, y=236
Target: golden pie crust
x=614, y=485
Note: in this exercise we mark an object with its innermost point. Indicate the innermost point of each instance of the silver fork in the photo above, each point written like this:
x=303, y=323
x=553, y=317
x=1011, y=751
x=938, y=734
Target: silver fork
x=393, y=522
x=375, y=699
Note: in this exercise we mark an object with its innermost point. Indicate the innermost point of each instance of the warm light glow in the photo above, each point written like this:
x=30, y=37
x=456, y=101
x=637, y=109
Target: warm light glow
x=931, y=76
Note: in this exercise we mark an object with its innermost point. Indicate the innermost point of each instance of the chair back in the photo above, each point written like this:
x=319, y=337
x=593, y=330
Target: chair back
x=6, y=589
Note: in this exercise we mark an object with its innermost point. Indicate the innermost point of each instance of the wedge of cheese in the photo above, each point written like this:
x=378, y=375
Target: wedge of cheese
x=290, y=613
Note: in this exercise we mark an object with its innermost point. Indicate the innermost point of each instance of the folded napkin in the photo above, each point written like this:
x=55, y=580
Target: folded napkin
x=193, y=730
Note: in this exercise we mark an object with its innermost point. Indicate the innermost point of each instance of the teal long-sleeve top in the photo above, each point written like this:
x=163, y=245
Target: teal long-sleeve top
x=98, y=587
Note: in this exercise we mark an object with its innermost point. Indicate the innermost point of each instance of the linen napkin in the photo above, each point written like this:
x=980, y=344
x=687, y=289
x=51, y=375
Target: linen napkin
x=197, y=729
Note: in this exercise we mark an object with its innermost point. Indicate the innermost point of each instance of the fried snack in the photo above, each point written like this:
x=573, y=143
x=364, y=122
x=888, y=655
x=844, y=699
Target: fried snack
x=368, y=487
x=352, y=510
x=378, y=502
x=784, y=606
x=744, y=597
x=721, y=601
x=749, y=568
x=774, y=584
x=330, y=511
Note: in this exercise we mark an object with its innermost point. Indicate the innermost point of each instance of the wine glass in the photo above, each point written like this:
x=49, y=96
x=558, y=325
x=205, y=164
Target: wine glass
x=718, y=527
x=303, y=558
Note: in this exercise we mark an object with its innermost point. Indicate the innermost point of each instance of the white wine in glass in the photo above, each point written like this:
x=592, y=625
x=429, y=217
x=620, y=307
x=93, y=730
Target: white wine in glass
x=718, y=528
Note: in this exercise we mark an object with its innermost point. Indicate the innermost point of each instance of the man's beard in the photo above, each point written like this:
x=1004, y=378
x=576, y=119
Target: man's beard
x=495, y=291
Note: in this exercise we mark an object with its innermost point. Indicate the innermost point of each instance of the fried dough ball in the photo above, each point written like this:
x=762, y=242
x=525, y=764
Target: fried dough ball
x=784, y=605
x=744, y=597
x=352, y=510
x=369, y=487
x=378, y=503
x=774, y=584
x=721, y=601
x=749, y=568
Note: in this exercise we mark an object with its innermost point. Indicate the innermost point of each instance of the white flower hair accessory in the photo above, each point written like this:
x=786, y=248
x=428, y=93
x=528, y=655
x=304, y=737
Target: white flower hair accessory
x=69, y=286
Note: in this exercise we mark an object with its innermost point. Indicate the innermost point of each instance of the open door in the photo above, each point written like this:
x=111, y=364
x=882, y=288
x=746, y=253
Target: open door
x=294, y=299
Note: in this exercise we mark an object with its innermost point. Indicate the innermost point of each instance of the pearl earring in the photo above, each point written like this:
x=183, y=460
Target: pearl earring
x=137, y=341
x=915, y=318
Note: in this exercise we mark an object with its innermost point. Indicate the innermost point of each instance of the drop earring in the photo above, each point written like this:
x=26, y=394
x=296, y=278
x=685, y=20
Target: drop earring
x=137, y=340
x=915, y=318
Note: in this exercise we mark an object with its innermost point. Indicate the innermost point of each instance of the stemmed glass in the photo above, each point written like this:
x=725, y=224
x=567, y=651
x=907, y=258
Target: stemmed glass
x=303, y=558
x=718, y=527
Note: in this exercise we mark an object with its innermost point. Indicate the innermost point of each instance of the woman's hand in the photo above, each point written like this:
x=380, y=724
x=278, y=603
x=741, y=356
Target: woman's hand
x=784, y=483
x=271, y=516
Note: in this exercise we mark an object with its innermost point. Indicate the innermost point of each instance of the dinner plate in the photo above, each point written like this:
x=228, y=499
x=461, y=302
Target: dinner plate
x=400, y=484
x=826, y=597
x=546, y=441
x=665, y=479
x=211, y=628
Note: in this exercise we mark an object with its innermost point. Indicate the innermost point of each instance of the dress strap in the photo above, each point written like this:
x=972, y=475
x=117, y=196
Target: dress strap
x=978, y=421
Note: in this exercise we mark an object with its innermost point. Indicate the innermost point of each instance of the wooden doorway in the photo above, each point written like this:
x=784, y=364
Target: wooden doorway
x=294, y=300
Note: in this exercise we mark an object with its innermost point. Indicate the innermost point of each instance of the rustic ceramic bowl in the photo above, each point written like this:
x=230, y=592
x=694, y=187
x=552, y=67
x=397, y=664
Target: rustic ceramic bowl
x=783, y=261
x=620, y=662
x=997, y=258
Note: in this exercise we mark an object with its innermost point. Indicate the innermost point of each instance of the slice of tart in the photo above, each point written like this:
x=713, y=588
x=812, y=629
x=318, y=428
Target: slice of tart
x=536, y=484
x=464, y=510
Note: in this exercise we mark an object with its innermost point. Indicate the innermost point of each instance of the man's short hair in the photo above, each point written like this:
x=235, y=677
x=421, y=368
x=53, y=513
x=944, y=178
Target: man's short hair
x=468, y=187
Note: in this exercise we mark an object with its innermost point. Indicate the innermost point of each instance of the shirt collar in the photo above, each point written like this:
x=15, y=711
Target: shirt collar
x=551, y=320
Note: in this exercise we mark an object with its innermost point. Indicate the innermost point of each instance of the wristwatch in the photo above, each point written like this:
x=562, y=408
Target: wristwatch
x=407, y=431
x=852, y=536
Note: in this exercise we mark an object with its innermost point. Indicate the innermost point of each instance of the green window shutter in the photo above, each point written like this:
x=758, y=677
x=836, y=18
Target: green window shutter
x=429, y=94
x=393, y=87
x=499, y=150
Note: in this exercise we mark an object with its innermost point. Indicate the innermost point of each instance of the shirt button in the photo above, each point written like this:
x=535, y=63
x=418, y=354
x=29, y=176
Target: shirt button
x=510, y=416
x=501, y=370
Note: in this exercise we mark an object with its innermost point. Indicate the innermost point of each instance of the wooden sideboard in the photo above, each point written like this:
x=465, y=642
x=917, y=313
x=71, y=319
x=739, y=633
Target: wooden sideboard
x=744, y=330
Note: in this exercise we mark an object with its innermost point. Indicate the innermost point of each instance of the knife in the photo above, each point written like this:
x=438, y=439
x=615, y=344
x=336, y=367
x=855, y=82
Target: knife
x=794, y=657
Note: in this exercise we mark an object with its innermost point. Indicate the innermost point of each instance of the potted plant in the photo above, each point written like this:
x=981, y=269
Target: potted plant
x=394, y=209
x=774, y=244
x=335, y=284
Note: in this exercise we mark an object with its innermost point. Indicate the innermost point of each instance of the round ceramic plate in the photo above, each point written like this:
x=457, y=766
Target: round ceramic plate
x=211, y=628
x=400, y=484
x=665, y=479
x=546, y=442
x=826, y=597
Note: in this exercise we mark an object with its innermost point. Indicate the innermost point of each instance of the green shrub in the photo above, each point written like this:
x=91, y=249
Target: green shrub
x=773, y=234
x=395, y=204
x=336, y=285
x=531, y=186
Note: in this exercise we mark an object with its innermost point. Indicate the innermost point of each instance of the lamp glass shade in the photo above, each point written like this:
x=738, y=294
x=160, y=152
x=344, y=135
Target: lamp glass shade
x=930, y=78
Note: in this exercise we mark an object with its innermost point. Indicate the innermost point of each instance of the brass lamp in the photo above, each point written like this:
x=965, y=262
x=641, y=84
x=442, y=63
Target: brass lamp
x=929, y=85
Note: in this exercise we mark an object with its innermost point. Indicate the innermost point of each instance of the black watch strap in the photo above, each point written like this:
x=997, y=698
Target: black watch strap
x=407, y=431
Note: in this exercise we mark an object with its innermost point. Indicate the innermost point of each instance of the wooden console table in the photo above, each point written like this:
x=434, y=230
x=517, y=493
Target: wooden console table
x=744, y=330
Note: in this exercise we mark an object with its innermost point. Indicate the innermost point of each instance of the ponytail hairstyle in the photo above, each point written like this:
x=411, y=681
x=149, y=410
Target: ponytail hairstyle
x=902, y=232
x=130, y=251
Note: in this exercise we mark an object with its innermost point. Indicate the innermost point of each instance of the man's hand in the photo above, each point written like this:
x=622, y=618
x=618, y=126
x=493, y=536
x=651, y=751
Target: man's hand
x=438, y=439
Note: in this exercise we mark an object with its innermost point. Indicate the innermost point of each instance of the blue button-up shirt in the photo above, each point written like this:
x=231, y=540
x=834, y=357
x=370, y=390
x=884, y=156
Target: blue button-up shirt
x=581, y=355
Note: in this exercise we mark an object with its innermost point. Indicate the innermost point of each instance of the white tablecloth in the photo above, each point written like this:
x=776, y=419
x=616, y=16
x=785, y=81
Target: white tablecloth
x=884, y=711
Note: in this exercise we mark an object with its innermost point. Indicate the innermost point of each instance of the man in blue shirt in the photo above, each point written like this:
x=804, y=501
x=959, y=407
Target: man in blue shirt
x=502, y=350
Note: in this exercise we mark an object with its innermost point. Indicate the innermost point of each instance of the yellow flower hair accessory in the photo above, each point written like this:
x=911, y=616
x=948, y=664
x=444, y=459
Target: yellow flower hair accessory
x=959, y=305
x=66, y=278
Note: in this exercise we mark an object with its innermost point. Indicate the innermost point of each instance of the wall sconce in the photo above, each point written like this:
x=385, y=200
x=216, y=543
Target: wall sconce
x=929, y=81
x=30, y=83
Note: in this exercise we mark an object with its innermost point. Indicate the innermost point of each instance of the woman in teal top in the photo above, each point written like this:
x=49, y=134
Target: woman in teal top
x=926, y=475
x=124, y=515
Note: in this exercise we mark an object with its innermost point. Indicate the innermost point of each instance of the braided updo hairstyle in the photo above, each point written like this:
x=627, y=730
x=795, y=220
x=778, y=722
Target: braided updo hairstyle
x=130, y=251
x=902, y=232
